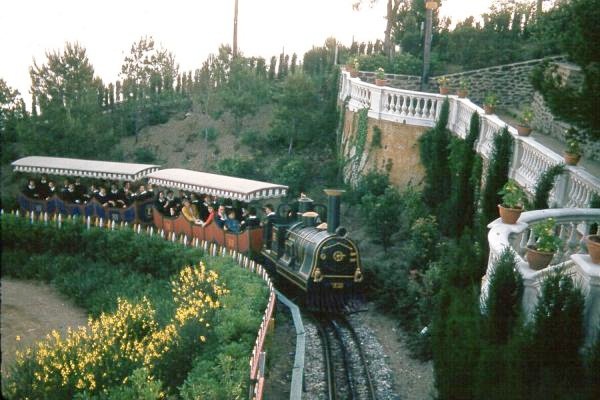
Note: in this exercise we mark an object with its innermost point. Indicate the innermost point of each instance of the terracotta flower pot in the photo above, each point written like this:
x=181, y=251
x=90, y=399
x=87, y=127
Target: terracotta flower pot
x=488, y=109
x=538, y=259
x=380, y=82
x=509, y=215
x=353, y=73
x=593, y=245
x=462, y=93
x=444, y=90
x=572, y=159
x=523, y=130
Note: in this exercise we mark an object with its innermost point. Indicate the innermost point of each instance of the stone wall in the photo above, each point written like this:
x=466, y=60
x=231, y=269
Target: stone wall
x=407, y=82
x=510, y=82
x=398, y=153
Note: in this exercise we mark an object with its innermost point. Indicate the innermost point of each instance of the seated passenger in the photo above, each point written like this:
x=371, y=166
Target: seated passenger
x=43, y=187
x=31, y=190
x=64, y=189
x=211, y=216
x=71, y=196
x=202, y=206
x=80, y=190
x=51, y=190
x=250, y=219
x=190, y=213
x=221, y=217
x=114, y=199
x=103, y=197
x=231, y=224
x=142, y=194
x=160, y=202
x=126, y=197
x=172, y=205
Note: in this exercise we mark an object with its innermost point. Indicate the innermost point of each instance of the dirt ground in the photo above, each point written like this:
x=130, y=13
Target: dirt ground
x=413, y=379
x=29, y=311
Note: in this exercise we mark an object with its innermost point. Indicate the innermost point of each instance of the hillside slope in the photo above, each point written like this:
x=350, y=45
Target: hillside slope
x=181, y=141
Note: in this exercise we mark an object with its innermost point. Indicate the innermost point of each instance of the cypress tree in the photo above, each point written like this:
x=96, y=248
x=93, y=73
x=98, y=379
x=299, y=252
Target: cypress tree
x=554, y=365
x=272, y=67
x=461, y=206
x=434, y=152
x=111, y=95
x=293, y=63
x=544, y=185
x=497, y=175
x=281, y=69
x=503, y=303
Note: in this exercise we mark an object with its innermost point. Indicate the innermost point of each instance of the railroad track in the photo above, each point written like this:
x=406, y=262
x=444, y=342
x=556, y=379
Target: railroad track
x=346, y=371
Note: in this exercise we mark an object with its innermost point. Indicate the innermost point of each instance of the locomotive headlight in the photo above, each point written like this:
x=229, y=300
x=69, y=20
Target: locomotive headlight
x=317, y=276
x=358, y=276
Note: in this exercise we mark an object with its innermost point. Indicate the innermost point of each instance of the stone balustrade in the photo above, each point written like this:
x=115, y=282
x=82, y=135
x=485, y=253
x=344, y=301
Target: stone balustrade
x=530, y=158
x=572, y=225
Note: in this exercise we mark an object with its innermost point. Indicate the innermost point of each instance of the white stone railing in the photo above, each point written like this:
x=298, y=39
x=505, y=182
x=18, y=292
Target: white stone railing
x=572, y=225
x=530, y=158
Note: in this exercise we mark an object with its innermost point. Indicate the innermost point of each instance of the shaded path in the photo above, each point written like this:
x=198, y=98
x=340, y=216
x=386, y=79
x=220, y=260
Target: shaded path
x=31, y=310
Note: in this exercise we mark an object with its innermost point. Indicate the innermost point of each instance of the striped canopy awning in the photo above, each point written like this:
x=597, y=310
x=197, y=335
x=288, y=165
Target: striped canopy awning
x=223, y=186
x=116, y=171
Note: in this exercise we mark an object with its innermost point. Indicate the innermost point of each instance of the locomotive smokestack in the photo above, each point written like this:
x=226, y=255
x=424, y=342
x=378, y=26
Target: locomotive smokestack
x=333, y=209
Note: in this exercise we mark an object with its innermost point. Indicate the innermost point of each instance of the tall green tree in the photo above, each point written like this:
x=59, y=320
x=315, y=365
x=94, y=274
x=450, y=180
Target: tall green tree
x=434, y=152
x=71, y=121
x=574, y=26
x=295, y=111
x=497, y=175
x=13, y=115
x=244, y=91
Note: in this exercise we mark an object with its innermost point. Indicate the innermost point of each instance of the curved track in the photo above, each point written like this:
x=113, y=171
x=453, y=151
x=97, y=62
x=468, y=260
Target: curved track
x=347, y=373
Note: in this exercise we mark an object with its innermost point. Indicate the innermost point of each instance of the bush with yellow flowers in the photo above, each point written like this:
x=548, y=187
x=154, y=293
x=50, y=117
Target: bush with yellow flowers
x=104, y=354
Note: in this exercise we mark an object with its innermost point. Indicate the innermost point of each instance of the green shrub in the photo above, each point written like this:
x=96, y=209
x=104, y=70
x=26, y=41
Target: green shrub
x=92, y=273
x=144, y=155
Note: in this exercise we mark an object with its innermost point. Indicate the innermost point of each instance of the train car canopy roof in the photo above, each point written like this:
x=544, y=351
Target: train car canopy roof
x=217, y=185
x=84, y=168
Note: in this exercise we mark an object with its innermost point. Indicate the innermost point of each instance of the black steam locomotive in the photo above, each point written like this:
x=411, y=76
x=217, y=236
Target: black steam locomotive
x=316, y=258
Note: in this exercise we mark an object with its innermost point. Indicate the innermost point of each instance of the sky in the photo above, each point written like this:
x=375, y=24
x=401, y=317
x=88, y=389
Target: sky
x=191, y=30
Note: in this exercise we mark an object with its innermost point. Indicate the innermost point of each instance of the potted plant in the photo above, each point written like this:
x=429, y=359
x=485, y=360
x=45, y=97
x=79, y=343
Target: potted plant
x=443, y=83
x=513, y=202
x=573, y=150
x=539, y=255
x=380, y=77
x=489, y=103
x=524, y=125
x=463, y=88
x=354, y=70
x=592, y=243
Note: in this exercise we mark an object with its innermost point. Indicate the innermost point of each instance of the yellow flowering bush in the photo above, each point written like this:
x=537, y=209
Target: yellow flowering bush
x=95, y=358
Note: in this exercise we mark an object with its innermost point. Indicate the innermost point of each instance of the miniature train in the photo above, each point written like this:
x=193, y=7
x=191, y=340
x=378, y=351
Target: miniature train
x=319, y=259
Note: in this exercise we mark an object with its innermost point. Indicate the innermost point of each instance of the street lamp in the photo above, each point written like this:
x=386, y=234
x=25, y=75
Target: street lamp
x=430, y=6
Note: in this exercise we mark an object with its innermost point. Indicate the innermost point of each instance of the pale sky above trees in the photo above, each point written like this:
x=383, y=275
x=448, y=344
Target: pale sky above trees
x=191, y=30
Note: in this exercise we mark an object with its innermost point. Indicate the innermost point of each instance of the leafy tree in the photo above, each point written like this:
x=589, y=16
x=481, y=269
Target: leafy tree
x=145, y=64
x=295, y=111
x=243, y=92
x=13, y=115
x=381, y=215
x=71, y=122
x=574, y=26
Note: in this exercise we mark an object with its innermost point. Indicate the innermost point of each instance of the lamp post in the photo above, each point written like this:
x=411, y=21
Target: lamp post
x=430, y=6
